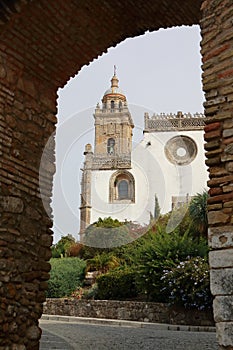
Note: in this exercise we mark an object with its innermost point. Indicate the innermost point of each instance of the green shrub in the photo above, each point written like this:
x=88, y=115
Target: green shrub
x=91, y=293
x=65, y=276
x=103, y=262
x=108, y=233
x=118, y=285
x=187, y=284
x=164, y=251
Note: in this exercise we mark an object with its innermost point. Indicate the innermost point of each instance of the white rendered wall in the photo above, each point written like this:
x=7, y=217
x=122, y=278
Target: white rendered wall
x=153, y=174
x=178, y=180
x=126, y=211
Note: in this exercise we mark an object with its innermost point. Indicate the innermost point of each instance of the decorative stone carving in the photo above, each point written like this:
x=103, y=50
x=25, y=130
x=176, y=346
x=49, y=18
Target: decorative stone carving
x=177, y=122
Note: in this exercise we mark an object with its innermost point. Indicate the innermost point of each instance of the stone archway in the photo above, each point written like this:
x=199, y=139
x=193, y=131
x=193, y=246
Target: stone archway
x=43, y=44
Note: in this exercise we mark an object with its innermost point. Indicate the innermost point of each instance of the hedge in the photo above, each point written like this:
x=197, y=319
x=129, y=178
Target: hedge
x=118, y=285
x=66, y=275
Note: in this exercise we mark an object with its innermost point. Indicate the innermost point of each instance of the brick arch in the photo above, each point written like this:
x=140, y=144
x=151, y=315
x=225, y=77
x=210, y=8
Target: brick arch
x=42, y=44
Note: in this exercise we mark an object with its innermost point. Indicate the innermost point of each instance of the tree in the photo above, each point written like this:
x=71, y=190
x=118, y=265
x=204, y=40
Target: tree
x=198, y=213
x=102, y=263
x=157, y=208
x=66, y=276
x=74, y=250
x=60, y=249
x=109, y=233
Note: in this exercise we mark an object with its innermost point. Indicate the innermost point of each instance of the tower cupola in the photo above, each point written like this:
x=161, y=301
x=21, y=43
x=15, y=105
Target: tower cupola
x=114, y=96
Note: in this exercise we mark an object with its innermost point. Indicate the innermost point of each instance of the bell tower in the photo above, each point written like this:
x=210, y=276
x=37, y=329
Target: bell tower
x=112, y=151
x=113, y=130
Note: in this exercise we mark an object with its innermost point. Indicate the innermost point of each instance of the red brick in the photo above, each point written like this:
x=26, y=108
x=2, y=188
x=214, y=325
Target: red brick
x=212, y=126
x=216, y=52
x=226, y=74
x=212, y=135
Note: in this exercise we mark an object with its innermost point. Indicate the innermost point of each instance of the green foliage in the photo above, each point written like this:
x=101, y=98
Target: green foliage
x=161, y=251
x=198, y=213
x=102, y=262
x=60, y=249
x=91, y=293
x=163, y=262
x=178, y=219
x=156, y=209
x=110, y=233
x=65, y=276
x=108, y=222
x=187, y=284
x=118, y=284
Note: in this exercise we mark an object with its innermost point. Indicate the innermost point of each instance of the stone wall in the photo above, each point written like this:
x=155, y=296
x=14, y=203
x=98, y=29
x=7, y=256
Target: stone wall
x=26, y=122
x=217, y=51
x=128, y=310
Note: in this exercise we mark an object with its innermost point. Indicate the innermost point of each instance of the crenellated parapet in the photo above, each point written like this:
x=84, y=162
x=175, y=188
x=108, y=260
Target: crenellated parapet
x=169, y=122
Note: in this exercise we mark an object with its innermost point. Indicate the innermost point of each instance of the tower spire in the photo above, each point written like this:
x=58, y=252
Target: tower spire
x=114, y=80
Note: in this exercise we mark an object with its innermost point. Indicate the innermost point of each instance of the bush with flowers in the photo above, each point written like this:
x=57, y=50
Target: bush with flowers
x=187, y=284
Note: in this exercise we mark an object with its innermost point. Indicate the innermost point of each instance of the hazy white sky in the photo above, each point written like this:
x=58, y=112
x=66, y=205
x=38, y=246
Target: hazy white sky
x=159, y=72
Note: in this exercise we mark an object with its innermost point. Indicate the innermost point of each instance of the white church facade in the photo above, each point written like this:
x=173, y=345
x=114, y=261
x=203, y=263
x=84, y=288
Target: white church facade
x=122, y=182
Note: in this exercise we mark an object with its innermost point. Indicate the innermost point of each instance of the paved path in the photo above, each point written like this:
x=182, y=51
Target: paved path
x=79, y=336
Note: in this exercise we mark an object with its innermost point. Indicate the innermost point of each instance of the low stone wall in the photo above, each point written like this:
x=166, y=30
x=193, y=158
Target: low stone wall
x=128, y=310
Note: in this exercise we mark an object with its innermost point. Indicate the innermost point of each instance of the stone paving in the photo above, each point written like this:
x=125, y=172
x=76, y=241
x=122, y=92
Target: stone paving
x=79, y=336
x=51, y=341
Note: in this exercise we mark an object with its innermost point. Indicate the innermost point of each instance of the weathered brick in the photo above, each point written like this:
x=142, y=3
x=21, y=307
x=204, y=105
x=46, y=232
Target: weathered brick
x=212, y=145
x=216, y=52
x=227, y=132
x=223, y=180
x=218, y=217
x=229, y=166
x=212, y=134
x=226, y=157
x=221, y=198
x=215, y=190
x=229, y=149
x=11, y=204
x=212, y=126
x=217, y=206
x=228, y=204
x=227, y=141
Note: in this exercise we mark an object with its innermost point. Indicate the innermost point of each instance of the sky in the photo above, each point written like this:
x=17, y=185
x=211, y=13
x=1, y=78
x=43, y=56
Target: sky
x=159, y=72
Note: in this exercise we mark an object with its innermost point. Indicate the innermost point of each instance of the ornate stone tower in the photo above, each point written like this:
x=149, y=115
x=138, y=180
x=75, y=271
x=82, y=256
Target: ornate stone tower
x=113, y=130
x=113, y=144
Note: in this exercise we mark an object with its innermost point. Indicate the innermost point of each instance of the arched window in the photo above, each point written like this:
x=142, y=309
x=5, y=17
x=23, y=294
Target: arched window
x=111, y=146
x=122, y=187
x=120, y=105
x=112, y=104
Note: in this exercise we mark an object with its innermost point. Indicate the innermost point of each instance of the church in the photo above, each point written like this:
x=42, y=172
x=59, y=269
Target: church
x=121, y=181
